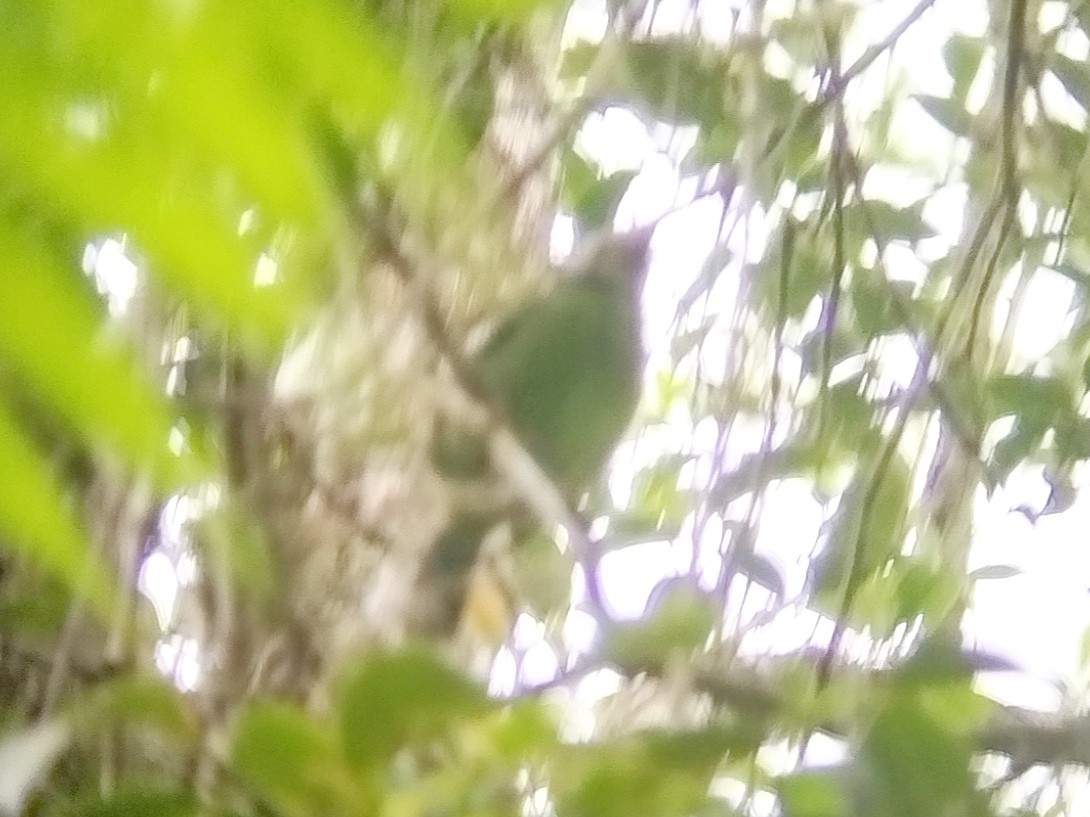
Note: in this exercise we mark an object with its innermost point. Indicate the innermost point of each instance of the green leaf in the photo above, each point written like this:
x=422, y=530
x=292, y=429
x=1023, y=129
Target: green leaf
x=647, y=775
x=153, y=798
x=887, y=222
x=38, y=524
x=511, y=11
x=807, y=255
x=1035, y=400
x=91, y=379
x=674, y=79
x=922, y=591
x=947, y=112
x=596, y=206
x=678, y=621
x=185, y=223
x=873, y=300
x=920, y=760
x=798, y=458
x=290, y=758
x=962, y=55
x=399, y=697
x=1023, y=441
x=656, y=494
x=133, y=700
x=814, y=794
x=866, y=533
x=1072, y=441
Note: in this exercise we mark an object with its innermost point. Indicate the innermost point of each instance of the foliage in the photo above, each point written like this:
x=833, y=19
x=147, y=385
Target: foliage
x=268, y=171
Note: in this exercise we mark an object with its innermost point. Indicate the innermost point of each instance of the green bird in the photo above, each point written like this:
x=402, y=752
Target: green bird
x=564, y=372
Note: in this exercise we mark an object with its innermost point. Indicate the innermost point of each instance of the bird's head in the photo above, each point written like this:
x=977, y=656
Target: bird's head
x=615, y=257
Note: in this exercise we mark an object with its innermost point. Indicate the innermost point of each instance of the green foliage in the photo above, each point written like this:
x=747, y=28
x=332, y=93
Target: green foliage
x=258, y=161
x=866, y=533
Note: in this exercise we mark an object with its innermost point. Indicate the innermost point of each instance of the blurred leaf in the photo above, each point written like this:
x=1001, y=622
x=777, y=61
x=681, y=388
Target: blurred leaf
x=1036, y=401
x=147, y=701
x=923, y=591
x=1016, y=447
x=888, y=222
x=853, y=553
x=872, y=298
x=92, y=380
x=962, y=55
x=990, y=572
x=37, y=610
x=798, y=458
x=153, y=798
x=1069, y=150
x=190, y=233
x=542, y=574
x=593, y=199
x=290, y=758
x=678, y=621
x=801, y=260
x=394, y=698
x=685, y=342
x=947, y=112
x=523, y=729
x=815, y=794
x=656, y=495
x=1072, y=442
x=714, y=145
x=675, y=79
x=921, y=767
x=37, y=523
x=657, y=774
x=803, y=35
x=513, y=11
